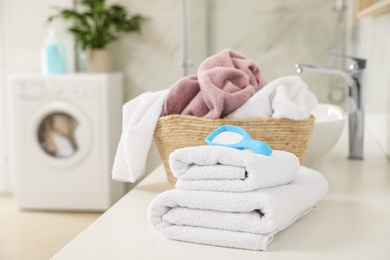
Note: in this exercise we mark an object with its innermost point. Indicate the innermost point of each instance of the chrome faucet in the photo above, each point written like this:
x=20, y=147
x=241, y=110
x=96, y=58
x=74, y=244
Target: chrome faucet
x=354, y=79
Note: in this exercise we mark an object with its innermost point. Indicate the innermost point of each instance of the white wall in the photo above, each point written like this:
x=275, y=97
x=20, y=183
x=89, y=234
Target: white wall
x=374, y=43
x=3, y=180
x=26, y=28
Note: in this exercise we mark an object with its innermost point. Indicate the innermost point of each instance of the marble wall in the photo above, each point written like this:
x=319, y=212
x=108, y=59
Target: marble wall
x=374, y=43
x=151, y=60
x=276, y=34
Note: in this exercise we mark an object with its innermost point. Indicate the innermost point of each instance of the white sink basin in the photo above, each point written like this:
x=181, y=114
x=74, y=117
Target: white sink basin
x=328, y=125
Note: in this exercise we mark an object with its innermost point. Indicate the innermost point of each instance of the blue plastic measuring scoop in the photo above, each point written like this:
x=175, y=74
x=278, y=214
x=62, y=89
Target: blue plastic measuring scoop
x=236, y=137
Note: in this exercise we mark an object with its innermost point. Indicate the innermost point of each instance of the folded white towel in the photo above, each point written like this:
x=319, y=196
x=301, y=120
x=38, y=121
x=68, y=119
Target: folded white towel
x=247, y=220
x=219, y=168
x=140, y=116
x=285, y=97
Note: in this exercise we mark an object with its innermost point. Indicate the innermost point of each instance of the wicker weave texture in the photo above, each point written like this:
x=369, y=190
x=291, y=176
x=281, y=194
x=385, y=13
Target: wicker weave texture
x=179, y=131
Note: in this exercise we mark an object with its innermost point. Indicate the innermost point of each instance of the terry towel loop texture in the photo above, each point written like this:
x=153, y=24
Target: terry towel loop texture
x=140, y=117
x=246, y=220
x=223, y=83
x=218, y=168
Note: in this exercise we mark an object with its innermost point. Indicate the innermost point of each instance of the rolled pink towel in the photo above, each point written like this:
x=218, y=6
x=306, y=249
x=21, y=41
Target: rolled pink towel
x=223, y=83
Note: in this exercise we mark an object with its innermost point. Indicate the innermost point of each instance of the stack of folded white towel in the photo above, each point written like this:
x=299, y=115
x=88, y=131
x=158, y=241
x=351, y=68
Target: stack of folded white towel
x=232, y=198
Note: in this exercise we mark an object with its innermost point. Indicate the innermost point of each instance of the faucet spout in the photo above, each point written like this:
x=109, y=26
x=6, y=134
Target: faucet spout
x=301, y=68
x=353, y=78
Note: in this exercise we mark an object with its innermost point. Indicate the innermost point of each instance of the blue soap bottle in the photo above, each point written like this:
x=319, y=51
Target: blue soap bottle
x=53, y=55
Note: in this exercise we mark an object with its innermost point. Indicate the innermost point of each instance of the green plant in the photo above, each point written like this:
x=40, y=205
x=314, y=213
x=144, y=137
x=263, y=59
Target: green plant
x=95, y=25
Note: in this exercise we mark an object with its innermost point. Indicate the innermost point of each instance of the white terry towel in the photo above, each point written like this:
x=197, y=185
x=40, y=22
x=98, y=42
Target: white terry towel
x=219, y=168
x=247, y=220
x=285, y=97
x=140, y=116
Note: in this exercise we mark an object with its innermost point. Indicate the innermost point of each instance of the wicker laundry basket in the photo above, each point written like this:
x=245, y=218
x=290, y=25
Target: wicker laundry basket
x=179, y=131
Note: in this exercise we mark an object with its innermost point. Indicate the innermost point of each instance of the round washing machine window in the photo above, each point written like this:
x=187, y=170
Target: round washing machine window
x=56, y=135
x=60, y=135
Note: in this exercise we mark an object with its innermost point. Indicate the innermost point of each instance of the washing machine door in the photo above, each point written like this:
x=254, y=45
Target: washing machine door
x=60, y=135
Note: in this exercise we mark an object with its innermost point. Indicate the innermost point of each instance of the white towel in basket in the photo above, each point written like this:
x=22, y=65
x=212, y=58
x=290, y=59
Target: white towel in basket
x=140, y=116
x=219, y=168
x=285, y=97
x=247, y=220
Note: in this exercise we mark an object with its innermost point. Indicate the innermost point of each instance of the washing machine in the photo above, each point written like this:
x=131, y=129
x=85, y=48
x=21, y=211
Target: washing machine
x=64, y=133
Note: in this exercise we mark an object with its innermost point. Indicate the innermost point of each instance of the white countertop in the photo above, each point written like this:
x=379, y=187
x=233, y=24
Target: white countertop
x=351, y=222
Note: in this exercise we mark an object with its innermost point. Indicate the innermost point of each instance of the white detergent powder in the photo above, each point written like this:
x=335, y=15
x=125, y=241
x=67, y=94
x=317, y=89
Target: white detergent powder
x=228, y=138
